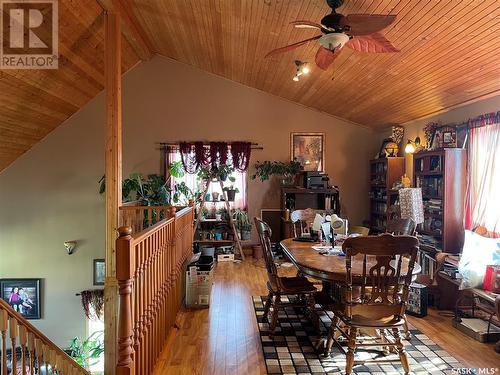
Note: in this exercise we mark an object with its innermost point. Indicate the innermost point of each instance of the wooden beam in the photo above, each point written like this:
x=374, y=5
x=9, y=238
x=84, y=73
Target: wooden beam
x=112, y=74
x=133, y=30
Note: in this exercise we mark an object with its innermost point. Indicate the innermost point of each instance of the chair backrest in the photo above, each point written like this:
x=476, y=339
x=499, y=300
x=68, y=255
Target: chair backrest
x=265, y=233
x=356, y=229
x=383, y=288
x=401, y=227
x=303, y=219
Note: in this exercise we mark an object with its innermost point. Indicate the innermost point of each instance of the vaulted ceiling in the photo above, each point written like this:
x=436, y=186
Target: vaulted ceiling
x=449, y=55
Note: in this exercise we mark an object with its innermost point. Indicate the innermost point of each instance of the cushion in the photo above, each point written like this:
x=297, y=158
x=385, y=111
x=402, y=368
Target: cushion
x=478, y=252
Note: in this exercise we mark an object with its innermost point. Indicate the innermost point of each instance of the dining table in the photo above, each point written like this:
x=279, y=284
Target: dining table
x=330, y=268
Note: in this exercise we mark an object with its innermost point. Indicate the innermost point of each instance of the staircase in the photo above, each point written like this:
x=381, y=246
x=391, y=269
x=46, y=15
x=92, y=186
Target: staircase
x=27, y=350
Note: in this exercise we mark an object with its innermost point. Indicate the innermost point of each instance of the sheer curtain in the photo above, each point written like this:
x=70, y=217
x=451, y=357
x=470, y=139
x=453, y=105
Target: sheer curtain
x=192, y=181
x=483, y=188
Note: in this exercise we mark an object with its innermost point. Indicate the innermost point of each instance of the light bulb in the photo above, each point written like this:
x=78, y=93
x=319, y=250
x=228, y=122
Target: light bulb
x=305, y=69
x=296, y=78
x=409, y=148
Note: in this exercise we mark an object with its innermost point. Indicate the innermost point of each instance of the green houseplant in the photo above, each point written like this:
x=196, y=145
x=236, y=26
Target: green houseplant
x=287, y=171
x=151, y=190
x=89, y=351
x=242, y=224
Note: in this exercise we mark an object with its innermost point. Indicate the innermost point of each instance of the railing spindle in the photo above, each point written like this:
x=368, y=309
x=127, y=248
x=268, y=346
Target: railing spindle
x=3, y=328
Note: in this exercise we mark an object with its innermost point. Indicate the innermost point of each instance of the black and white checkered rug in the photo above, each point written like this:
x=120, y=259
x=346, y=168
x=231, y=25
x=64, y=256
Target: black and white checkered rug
x=292, y=351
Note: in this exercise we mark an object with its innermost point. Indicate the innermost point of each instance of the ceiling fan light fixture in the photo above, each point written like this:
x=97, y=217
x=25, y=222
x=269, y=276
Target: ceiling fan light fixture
x=295, y=78
x=333, y=40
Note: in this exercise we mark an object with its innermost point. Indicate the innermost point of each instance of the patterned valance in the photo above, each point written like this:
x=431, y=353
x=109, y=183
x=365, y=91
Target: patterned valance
x=195, y=155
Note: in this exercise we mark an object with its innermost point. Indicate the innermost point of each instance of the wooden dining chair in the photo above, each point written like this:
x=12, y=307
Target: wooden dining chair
x=356, y=229
x=401, y=227
x=302, y=220
x=378, y=276
x=279, y=286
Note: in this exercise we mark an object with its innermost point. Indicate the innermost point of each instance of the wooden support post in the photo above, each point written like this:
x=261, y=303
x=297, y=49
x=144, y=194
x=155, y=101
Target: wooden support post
x=112, y=73
x=124, y=274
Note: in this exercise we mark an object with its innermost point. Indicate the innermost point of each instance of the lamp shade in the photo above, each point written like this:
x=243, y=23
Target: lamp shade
x=412, y=206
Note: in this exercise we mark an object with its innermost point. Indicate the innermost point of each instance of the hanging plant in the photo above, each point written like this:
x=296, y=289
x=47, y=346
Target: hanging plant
x=93, y=303
x=266, y=169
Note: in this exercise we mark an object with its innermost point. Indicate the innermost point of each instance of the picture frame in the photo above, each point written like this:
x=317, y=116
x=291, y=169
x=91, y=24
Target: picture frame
x=309, y=150
x=99, y=271
x=23, y=295
x=444, y=137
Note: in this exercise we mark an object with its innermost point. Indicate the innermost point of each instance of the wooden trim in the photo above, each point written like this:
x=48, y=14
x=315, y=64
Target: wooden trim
x=113, y=156
x=13, y=320
x=133, y=30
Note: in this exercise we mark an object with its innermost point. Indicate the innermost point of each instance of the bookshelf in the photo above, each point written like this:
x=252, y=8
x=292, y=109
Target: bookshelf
x=441, y=175
x=384, y=172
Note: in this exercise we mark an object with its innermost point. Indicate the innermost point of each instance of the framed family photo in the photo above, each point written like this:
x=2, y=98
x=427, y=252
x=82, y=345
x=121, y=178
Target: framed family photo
x=23, y=295
x=309, y=150
x=99, y=271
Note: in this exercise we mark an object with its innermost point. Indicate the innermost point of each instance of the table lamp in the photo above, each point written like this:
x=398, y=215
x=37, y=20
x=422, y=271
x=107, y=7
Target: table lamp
x=411, y=204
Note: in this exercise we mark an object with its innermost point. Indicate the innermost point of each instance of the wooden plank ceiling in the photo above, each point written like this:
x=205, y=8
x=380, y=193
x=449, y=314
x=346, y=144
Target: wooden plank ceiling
x=34, y=102
x=449, y=55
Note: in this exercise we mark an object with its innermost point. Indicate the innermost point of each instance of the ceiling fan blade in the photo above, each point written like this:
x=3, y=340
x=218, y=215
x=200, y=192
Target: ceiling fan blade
x=291, y=46
x=324, y=57
x=306, y=25
x=364, y=24
x=373, y=43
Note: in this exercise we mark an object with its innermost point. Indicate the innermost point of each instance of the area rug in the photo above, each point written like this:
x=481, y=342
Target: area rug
x=292, y=350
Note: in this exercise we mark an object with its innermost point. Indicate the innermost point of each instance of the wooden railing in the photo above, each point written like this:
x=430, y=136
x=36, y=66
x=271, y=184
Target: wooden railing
x=148, y=267
x=140, y=217
x=30, y=351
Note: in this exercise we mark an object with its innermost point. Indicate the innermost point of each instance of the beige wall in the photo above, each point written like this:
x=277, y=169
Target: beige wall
x=49, y=195
x=457, y=115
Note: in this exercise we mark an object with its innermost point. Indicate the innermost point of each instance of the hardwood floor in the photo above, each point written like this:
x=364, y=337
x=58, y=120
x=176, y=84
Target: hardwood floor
x=224, y=339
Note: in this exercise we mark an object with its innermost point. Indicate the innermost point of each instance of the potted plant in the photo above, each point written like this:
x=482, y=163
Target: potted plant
x=287, y=171
x=231, y=190
x=246, y=231
x=221, y=172
x=242, y=224
x=87, y=352
x=218, y=214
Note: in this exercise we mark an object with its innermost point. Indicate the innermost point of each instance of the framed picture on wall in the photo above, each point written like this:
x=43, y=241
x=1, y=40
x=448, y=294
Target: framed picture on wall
x=99, y=271
x=23, y=295
x=309, y=150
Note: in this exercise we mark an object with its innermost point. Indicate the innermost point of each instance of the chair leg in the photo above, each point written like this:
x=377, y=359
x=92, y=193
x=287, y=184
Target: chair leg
x=351, y=346
x=311, y=305
x=267, y=306
x=401, y=350
x=407, y=330
x=274, y=319
x=331, y=335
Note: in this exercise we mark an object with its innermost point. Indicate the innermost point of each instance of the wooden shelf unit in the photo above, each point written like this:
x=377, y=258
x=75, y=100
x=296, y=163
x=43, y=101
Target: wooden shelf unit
x=442, y=176
x=384, y=172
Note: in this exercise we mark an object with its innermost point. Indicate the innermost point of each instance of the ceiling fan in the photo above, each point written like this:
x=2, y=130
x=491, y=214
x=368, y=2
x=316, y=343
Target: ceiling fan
x=359, y=32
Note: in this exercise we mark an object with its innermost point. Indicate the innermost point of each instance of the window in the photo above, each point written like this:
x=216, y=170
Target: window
x=483, y=198
x=196, y=185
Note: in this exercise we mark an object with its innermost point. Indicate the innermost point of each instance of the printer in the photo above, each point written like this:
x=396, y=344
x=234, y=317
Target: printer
x=316, y=180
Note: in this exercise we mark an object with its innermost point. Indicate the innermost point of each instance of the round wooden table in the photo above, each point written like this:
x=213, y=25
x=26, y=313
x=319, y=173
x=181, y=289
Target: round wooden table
x=328, y=268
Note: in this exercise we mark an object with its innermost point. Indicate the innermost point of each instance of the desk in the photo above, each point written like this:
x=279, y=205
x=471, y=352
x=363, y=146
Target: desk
x=328, y=268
